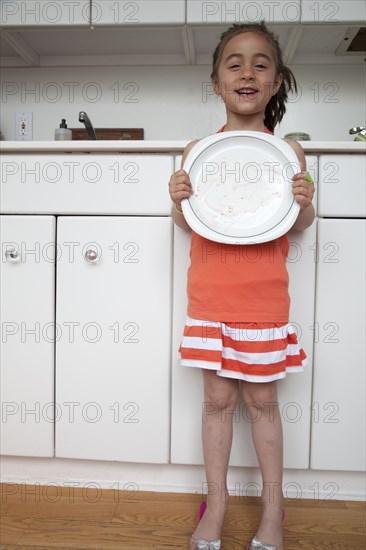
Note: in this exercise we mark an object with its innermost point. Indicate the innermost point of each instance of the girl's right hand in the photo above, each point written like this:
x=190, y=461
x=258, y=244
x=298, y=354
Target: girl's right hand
x=180, y=187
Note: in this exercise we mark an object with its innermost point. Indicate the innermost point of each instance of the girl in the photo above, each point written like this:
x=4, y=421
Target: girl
x=229, y=300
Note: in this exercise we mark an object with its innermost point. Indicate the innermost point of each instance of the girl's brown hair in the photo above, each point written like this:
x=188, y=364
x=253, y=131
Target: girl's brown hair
x=276, y=107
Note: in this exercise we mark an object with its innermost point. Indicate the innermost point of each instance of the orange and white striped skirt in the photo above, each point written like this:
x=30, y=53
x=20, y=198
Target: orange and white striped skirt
x=255, y=352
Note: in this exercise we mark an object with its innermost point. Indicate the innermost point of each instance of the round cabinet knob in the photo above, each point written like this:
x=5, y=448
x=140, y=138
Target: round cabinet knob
x=12, y=255
x=91, y=256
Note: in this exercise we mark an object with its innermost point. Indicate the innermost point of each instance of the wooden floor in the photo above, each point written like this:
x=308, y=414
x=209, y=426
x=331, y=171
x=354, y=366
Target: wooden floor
x=37, y=517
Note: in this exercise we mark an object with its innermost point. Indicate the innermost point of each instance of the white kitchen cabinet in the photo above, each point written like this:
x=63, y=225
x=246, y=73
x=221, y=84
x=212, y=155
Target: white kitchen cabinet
x=43, y=13
x=338, y=11
x=27, y=275
x=113, y=350
x=294, y=390
x=234, y=11
x=338, y=411
x=122, y=12
x=342, y=190
x=86, y=184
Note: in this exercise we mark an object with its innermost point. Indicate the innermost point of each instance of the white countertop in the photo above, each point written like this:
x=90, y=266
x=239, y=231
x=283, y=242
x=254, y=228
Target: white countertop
x=163, y=146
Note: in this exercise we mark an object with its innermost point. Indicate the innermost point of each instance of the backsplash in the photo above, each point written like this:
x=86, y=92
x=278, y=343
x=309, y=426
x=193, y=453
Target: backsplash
x=173, y=103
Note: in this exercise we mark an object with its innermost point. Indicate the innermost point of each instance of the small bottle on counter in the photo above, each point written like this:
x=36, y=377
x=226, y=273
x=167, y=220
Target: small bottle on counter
x=63, y=133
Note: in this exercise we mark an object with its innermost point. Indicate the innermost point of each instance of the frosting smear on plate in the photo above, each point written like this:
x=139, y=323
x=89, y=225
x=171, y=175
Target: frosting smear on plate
x=228, y=191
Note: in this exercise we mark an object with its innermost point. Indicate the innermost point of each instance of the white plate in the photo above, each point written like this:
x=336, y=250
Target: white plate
x=242, y=187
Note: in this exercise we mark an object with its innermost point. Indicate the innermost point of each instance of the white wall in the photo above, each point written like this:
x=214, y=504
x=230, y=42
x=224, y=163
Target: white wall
x=173, y=102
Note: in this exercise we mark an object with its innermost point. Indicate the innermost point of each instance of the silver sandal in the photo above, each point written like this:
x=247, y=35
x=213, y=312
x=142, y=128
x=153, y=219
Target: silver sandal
x=258, y=544
x=202, y=544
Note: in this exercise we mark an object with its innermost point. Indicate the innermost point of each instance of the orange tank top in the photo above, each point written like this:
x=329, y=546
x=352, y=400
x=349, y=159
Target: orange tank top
x=247, y=283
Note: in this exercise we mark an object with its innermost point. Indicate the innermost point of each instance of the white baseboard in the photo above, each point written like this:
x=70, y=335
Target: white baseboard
x=174, y=478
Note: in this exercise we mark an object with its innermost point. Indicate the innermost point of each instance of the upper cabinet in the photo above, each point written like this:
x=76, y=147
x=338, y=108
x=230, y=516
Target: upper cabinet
x=146, y=12
x=47, y=13
x=276, y=11
x=173, y=32
x=341, y=11
x=44, y=13
x=272, y=11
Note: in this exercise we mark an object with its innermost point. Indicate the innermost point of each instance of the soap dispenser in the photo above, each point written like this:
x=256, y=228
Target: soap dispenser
x=63, y=133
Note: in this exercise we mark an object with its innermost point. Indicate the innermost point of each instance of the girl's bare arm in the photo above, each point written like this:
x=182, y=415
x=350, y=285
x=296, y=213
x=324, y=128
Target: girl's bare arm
x=303, y=190
x=180, y=188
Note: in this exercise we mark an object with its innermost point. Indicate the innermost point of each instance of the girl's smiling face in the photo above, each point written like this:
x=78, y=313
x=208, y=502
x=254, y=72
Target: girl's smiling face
x=246, y=78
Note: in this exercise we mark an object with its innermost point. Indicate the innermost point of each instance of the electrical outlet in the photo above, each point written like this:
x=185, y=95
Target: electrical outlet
x=23, y=126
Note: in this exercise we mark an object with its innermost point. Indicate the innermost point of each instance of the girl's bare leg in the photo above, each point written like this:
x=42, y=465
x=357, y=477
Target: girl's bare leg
x=220, y=397
x=262, y=404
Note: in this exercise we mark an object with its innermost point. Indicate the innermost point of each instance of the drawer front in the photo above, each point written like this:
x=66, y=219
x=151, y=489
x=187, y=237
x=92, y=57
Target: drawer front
x=86, y=184
x=342, y=186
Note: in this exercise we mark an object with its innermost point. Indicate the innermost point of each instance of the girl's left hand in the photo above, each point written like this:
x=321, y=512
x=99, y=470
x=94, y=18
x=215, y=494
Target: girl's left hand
x=302, y=189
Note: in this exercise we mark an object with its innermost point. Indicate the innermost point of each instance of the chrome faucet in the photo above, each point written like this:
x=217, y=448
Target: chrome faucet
x=83, y=117
x=360, y=131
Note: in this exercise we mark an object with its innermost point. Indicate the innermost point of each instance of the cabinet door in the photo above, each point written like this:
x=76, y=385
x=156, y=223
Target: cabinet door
x=113, y=349
x=294, y=390
x=27, y=274
x=201, y=12
x=122, y=12
x=36, y=13
x=338, y=11
x=338, y=431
